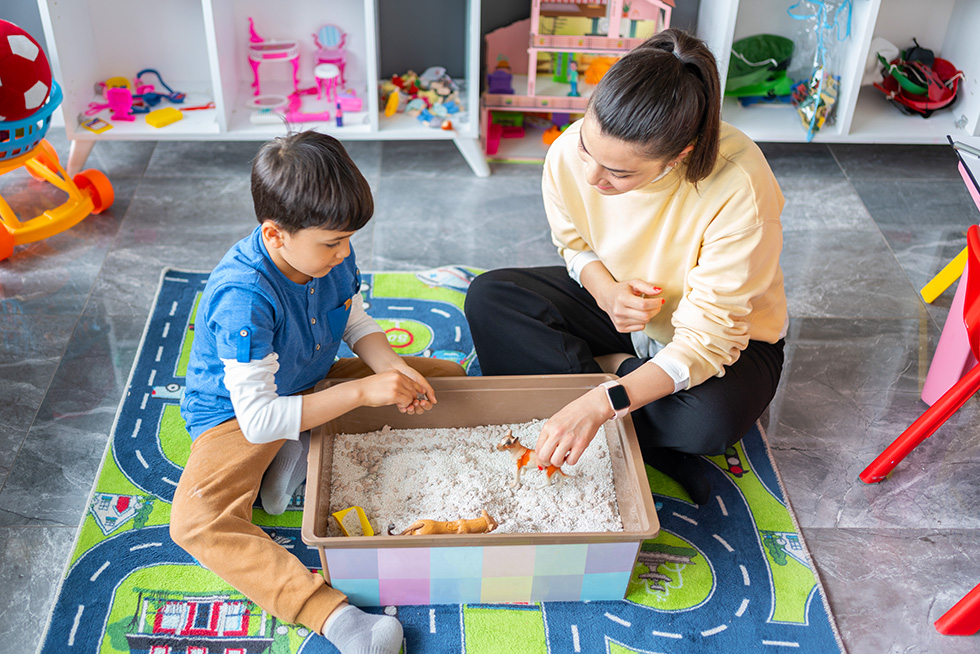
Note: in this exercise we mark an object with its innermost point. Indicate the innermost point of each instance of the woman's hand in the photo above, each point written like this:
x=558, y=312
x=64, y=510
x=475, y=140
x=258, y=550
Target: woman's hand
x=568, y=433
x=631, y=304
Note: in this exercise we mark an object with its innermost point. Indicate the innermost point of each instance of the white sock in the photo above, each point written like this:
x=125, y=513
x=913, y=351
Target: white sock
x=352, y=631
x=286, y=472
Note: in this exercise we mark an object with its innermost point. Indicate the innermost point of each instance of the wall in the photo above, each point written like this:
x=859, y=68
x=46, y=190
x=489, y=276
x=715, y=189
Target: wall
x=24, y=14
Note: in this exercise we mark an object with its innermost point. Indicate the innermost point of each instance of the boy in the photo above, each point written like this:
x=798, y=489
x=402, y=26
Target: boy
x=268, y=328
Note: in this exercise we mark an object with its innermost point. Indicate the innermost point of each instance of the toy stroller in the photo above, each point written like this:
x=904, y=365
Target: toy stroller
x=22, y=144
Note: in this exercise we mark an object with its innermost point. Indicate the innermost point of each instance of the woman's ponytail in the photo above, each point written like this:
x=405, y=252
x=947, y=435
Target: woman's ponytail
x=663, y=96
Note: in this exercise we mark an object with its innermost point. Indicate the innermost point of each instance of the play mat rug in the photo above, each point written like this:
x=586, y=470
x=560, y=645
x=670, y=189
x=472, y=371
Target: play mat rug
x=732, y=575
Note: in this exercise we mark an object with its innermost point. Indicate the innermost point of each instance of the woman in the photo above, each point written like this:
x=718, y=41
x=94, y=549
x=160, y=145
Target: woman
x=668, y=221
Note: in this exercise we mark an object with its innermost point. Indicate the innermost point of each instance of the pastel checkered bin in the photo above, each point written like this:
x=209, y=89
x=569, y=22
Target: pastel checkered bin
x=483, y=568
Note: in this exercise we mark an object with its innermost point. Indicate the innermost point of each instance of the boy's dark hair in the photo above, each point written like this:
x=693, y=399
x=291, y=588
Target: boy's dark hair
x=307, y=179
x=662, y=96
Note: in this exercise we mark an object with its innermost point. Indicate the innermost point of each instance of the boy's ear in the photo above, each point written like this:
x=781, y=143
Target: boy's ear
x=272, y=234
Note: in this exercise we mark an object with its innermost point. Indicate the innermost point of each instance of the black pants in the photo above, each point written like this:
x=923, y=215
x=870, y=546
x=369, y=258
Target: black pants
x=533, y=321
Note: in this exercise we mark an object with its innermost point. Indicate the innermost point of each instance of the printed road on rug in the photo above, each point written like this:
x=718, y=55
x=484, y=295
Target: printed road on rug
x=731, y=575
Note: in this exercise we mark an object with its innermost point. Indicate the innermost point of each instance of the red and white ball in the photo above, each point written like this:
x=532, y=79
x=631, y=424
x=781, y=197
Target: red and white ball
x=25, y=75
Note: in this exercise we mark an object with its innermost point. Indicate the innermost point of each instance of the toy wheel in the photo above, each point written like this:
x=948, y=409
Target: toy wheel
x=6, y=242
x=47, y=158
x=97, y=186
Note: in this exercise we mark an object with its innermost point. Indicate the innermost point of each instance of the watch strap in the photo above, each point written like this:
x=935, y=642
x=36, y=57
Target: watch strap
x=619, y=413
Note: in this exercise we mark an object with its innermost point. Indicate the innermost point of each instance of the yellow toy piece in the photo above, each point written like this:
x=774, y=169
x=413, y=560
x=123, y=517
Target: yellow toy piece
x=938, y=284
x=118, y=83
x=392, y=105
x=88, y=192
x=163, y=117
x=353, y=522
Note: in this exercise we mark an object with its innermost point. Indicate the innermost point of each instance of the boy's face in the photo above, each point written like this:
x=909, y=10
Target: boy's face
x=305, y=254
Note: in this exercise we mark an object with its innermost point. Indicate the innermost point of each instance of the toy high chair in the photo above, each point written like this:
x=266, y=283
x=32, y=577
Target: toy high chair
x=22, y=144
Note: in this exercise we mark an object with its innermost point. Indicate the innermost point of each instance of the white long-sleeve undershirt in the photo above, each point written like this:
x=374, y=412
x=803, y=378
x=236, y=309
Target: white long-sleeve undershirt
x=264, y=415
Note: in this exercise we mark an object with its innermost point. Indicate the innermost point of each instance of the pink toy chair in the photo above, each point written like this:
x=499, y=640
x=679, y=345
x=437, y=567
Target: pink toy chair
x=958, y=394
x=330, y=42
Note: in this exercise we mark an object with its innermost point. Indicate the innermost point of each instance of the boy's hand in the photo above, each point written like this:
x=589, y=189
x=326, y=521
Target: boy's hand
x=393, y=387
x=425, y=398
x=631, y=305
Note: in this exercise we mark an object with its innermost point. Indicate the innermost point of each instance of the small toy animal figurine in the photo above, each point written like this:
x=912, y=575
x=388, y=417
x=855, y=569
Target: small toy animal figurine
x=482, y=525
x=522, y=457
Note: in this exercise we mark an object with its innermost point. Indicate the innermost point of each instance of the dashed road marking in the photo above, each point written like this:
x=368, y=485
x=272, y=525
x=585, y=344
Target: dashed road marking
x=686, y=519
x=74, y=626
x=723, y=543
x=96, y=574
x=618, y=620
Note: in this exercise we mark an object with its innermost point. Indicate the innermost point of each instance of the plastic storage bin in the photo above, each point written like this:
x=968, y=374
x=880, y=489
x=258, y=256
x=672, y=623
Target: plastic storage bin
x=483, y=568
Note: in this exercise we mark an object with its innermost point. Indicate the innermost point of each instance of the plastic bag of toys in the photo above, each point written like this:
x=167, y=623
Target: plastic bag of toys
x=824, y=26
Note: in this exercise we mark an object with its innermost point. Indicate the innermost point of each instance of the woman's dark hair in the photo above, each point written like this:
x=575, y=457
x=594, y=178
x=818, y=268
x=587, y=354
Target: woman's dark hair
x=307, y=179
x=663, y=96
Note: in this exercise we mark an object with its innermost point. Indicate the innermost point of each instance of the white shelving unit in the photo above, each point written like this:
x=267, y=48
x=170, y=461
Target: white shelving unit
x=864, y=115
x=200, y=48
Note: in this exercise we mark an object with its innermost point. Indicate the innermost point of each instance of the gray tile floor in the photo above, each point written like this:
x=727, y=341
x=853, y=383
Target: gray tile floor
x=865, y=228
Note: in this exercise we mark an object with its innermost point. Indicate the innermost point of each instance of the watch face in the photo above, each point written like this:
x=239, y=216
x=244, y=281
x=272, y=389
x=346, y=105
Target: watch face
x=618, y=396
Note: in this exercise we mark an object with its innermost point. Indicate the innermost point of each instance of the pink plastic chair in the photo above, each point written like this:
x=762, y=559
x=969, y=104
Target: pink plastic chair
x=959, y=393
x=330, y=42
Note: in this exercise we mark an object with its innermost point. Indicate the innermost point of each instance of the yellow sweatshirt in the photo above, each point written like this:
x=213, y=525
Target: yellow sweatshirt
x=713, y=250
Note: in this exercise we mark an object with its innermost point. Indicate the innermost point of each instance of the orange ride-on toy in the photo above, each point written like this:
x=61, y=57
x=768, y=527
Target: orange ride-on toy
x=22, y=144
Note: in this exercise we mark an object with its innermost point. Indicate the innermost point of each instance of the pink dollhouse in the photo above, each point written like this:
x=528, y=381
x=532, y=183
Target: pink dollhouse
x=555, y=57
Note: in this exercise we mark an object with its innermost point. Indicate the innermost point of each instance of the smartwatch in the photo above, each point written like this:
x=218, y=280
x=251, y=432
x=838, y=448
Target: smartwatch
x=619, y=400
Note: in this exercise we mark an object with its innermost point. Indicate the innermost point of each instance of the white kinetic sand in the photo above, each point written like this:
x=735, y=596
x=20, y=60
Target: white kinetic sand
x=399, y=476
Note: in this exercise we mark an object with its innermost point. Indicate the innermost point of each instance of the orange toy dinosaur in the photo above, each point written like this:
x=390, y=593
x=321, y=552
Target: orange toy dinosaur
x=482, y=525
x=522, y=457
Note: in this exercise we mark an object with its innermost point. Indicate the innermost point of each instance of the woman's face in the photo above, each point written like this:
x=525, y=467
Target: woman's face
x=613, y=166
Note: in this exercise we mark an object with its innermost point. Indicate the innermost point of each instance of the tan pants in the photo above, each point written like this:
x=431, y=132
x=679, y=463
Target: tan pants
x=212, y=515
